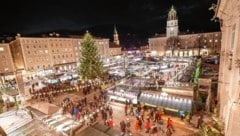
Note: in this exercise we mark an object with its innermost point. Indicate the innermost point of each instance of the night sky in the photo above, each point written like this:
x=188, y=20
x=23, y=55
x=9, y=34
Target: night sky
x=142, y=18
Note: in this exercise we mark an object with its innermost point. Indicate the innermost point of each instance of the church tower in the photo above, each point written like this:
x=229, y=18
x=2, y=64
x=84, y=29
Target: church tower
x=172, y=23
x=115, y=36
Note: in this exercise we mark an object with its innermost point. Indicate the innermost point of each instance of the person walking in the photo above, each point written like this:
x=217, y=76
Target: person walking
x=123, y=127
x=136, y=126
x=131, y=110
x=126, y=109
x=147, y=126
x=160, y=125
x=110, y=122
x=128, y=125
x=170, y=125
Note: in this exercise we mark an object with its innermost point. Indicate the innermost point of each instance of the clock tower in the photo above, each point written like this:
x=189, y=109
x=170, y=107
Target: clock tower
x=172, y=23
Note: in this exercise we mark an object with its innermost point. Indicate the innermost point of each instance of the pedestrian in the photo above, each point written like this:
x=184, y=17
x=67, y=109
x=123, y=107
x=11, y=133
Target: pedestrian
x=110, y=111
x=147, y=126
x=170, y=125
x=160, y=115
x=142, y=115
x=200, y=121
x=156, y=116
x=160, y=125
x=136, y=126
x=131, y=109
x=140, y=122
x=168, y=132
x=154, y=128
x=123, y=126
x=110, y=122
x=126, y=109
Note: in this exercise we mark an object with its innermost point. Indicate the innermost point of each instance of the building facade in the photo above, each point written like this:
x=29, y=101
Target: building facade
x=174, y=44
x=228, y=12
x=6, y=61
x=157, y=46
x=59, y=53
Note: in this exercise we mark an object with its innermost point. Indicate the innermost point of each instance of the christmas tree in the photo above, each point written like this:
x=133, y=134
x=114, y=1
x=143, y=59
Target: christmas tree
x=91, y=66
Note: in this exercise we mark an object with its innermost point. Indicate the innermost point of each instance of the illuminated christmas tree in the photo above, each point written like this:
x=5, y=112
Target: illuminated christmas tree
x=91, y=66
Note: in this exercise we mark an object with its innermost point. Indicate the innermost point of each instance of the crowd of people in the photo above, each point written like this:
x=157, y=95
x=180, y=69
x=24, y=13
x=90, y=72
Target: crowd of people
x=83, y=108
x=148, y=120
x=48, y=92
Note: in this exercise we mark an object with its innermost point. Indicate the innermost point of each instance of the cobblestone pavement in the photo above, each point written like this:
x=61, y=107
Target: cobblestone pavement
x=182, y=128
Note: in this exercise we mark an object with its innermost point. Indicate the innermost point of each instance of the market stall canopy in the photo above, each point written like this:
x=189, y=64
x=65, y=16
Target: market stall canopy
x=12, y=92
x=46, y=107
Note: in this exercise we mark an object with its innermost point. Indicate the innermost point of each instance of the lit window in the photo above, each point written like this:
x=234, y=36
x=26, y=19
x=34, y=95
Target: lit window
x=46, y=51
x=216, y=40
x=1, y=49
x=210, y=40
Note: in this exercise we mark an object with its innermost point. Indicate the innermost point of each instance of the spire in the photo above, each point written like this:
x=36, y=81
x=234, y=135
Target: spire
x=115, y=36
x=115, y=30
x=172, y=14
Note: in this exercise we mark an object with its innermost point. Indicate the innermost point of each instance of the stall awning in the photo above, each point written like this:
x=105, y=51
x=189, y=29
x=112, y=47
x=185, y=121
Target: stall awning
x=176, y=103
x=12, y=92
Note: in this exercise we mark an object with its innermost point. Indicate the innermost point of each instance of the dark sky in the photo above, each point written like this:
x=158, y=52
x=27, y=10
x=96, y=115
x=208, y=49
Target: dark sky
x=139, y=17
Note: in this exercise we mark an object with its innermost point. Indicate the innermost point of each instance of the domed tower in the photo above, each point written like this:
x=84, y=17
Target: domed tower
x=172, y=23
x=115, y=36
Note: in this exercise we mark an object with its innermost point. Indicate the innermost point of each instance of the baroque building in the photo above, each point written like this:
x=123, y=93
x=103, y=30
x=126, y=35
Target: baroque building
x=59, y=53
x=173, y=44
x=228, y=13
